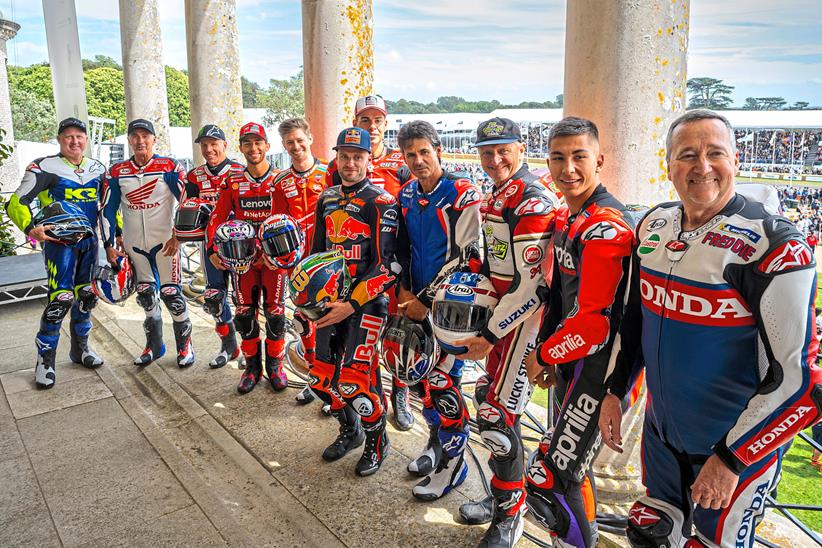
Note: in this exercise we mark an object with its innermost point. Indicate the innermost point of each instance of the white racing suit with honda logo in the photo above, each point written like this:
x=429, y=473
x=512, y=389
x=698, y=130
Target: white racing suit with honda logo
x=518, y=217
x=723, y=319
x=146, y=197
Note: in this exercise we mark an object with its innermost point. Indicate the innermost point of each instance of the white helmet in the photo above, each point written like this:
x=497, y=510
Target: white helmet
x=462, y=307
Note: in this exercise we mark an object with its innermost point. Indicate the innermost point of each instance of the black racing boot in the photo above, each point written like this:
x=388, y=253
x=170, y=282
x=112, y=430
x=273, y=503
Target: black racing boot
x=430, y=457
x=478, y=512
x=80, y=351
x=305, y=396
x=185, y=351
x=44, y=373
x=376, y=448
x=403, y=419
x=275, y=372
x=505, y=529
x=252, y=373
x=351, y=435
x=228, y=346
x=155, y=347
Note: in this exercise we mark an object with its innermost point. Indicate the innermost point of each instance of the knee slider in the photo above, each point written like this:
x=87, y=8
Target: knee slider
x=448, y=404
x=497, y=436
x=274, y=326
x=213, y=300
x=147, y=296
x=86, y=298
x=354, y=389
x=481, y=388
x=650, y=527
x=58, y=307
x=172, y=297
x=246, y=325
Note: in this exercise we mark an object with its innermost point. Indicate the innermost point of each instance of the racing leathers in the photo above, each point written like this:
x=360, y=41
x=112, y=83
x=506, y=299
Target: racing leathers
x=295, y=193
x=204, y=182
x=722, y=317
x=437, y=229
x=249, y=199
x=361, y=222
x=518, y=218
x=146, y=196
x=592, y=251
x=69, y=267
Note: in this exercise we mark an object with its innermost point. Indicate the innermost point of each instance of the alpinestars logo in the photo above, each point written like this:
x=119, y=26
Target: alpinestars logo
x=790, y=255
x=569, y=343
x=642, y=515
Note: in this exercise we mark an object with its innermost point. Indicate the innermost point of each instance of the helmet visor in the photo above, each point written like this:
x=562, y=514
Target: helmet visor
x=237, y=250
x=190, y=219
x=313, y=312
x=280, y=245
x=460, y=317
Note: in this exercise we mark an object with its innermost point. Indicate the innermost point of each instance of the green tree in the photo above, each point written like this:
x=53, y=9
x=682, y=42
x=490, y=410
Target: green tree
x=283, y=99
x=35, y=79
x=251, y=91
x=33, y=118
x=708, y=93
x=101, y=61
x=179, y=107
x=800, y=105
x=106, y=97
x=764, y=103
x=7, y=246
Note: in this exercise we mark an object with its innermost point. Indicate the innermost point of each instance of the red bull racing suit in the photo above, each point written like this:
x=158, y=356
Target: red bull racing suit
x=361, y=222
x=591, y=260
x=518, y=219
x=722, y=317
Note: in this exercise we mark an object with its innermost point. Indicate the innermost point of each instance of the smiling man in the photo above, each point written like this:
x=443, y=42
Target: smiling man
x=592, y=244
x=721, y=313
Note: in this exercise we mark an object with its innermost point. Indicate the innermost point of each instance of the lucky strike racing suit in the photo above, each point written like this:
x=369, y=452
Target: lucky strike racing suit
x=249, y=199
x=146, y=197
x=723, y=318
x=295, y=193
x=204, y=182
x=69, y=268
x=361, y=222
x=591, y=260
x=517, y=224
x=436, y=230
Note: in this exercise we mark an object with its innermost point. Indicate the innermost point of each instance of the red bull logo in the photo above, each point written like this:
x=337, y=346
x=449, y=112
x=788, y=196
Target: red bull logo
x=376, y=285
x=331, y=287
x=340, y=226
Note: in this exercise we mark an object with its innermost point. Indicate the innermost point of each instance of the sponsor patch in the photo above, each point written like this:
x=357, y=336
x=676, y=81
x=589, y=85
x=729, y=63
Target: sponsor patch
x=656, y=224
x=532, y=254
x=739, y=231
x=650, y=243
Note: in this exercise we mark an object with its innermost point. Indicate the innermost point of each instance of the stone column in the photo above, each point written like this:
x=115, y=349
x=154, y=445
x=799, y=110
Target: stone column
x=625, y=69
x=214, y=85
x=143, y=68
x=9, y=178
x=338, y=60
x=63, y=41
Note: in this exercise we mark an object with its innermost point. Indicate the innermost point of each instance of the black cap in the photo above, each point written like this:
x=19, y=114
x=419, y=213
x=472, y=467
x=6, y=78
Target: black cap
x=498, y=131
x=210, y=130
x=71, y=122
x=140, y=123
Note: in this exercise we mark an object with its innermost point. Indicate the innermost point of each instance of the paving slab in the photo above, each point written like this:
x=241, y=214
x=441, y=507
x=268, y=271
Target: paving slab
x=24, y=516
x=11, y=446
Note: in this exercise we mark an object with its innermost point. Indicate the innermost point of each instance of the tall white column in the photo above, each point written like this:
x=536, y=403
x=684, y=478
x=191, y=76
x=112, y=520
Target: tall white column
x=625, y=69
x=143, y=68
x=214, y=86
x=338, y=60
x=66, y=63
x=9, y=178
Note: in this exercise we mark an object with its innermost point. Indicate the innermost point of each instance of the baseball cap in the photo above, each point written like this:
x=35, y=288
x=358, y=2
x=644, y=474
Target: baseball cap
x=252, y=128
x=370, y=101
x=497, y=131
x=210, y=130
x=140, y=123
x=71, y=122
x=354, y=137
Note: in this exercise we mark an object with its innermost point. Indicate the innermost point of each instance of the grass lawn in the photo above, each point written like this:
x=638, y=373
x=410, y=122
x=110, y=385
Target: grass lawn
x=801, y=483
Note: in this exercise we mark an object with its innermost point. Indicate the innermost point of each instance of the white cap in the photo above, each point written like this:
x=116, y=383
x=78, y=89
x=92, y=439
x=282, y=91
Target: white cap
x=370, y=101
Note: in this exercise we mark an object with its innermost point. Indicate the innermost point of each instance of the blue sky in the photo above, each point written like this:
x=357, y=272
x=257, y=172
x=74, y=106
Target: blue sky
x=511, y=51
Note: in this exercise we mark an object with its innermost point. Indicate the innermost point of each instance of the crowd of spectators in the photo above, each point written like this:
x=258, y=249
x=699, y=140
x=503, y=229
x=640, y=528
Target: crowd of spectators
x=803, y=205
x=776, y=151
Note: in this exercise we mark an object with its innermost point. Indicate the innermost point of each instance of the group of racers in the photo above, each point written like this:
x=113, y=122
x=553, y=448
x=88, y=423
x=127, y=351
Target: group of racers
x=712, y=296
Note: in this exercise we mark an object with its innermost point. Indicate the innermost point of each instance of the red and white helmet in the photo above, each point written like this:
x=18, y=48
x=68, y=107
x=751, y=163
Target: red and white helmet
x=408, y=348
x=191, y=220
x=114, y=284
x=462, y=307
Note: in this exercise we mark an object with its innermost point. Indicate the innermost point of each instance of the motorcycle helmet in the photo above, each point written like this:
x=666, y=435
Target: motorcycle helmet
x=114, y=284
x=282, y=240
x=236, y=244
x=462, y=306
x=191, y=220
x=408, y=348
x=317, y=280
x=69, y=224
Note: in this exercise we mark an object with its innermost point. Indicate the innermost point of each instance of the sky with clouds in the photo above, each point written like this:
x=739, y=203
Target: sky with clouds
x=511, y=51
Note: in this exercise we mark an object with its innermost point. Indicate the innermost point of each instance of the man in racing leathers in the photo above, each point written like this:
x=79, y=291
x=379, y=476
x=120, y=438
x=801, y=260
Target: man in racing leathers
x=387, y=171
x=440, y=221
x=204, y=182
x=721, y=313
x=592, y=244
x=518, y=217
x=360, y=221
x=294, y=192
x=247, y=194
x=144, y=189
x=71, y=177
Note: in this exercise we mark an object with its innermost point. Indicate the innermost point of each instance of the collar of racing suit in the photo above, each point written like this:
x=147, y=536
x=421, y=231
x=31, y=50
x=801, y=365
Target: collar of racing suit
x=593, y=198
x=353, y=189
x=216, y=170
x=523, y=169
